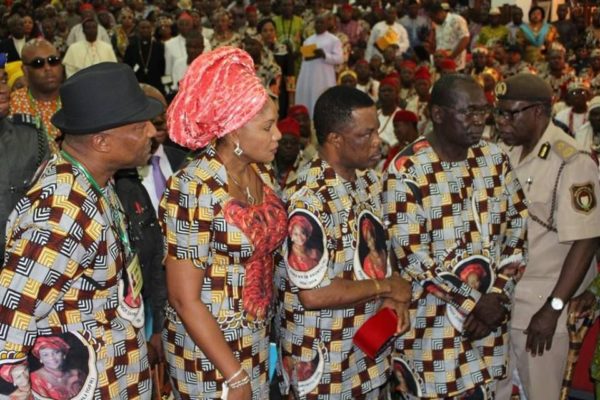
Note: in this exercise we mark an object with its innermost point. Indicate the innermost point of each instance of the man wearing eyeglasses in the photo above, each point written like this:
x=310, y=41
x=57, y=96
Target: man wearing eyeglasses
x=456, y=219
x=44, y=72
x=561, y=185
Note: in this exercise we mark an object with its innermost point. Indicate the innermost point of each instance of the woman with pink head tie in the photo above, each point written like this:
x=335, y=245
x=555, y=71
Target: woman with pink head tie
x=302, y=257
x=53, y=380
x=18, y=375
x=222, y=221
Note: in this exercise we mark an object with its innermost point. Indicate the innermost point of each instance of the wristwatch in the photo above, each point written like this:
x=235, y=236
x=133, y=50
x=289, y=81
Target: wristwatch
x=556, y=303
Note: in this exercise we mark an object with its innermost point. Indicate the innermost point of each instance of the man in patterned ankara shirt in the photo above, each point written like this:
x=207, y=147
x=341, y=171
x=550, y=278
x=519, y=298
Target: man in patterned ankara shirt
x=70, y=302
x=334, y=269
x=456, y=218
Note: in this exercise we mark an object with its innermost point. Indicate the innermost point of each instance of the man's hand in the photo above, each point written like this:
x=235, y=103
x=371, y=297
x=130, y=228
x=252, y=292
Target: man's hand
x=402, y=313
x=155, y=349
x=541, y=330
x=491, y=310
x=475, y=329
x=582, y=305
x=319, y=53
x=399, y=290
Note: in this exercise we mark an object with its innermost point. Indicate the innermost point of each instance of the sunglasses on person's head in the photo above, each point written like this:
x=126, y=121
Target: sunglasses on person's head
x=40, y=62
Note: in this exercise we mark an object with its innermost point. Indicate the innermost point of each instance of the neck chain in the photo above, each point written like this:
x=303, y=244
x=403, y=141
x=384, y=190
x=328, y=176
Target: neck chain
x=249, y=198
x=147, y=60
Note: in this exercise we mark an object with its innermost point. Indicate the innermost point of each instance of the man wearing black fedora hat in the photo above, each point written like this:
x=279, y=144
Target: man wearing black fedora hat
x=70, y=303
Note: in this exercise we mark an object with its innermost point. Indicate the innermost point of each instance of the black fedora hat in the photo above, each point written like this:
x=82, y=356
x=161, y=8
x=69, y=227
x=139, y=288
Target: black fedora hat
x=101, y=97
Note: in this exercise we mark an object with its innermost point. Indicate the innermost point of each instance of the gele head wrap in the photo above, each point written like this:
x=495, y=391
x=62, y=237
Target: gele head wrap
x=219, y=93
x=49, y=342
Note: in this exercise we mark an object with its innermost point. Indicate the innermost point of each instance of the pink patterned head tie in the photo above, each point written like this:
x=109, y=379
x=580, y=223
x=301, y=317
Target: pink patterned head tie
x=219, y=93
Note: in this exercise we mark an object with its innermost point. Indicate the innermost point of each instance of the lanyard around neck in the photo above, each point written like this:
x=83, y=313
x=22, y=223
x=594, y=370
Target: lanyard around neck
x=114, y=210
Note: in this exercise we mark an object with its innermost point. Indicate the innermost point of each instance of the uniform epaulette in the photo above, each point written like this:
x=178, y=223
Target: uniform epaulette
x=564, y=150
x=26, y=119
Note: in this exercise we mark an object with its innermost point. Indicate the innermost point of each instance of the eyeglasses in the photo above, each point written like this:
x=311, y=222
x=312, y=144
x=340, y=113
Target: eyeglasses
x=472, y=112
x=511, y=114
x=39, y=62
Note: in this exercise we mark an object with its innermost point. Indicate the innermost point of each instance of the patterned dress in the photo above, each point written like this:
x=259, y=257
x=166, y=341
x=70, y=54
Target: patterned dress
x=458, y=231
x=318, y=357
x=234, y=244
x=64, y=285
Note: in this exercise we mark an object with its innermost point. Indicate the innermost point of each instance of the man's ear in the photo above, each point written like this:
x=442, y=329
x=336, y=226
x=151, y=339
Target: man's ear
x=102, y=142
x=334, y=139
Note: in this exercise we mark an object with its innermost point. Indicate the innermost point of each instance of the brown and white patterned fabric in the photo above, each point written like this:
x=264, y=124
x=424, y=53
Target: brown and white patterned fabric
x=62, y=289
x=317, y=356
x=457, y=230
x=234, y=244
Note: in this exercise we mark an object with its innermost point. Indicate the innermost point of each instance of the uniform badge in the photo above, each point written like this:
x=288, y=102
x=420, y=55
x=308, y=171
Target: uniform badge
x=501, y=89
x=582, y=197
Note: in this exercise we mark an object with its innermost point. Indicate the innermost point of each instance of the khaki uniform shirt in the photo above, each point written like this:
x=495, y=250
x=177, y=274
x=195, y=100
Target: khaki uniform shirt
x=574, y=215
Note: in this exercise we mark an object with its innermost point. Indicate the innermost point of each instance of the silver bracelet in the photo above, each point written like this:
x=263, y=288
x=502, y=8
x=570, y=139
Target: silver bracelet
x=238, y=373
x=238, y=384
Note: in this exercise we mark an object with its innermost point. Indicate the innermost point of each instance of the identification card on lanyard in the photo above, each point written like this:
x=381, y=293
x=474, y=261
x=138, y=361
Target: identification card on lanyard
x=134, y=273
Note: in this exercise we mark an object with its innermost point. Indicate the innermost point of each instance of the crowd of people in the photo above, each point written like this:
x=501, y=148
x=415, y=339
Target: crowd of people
x=387, y=200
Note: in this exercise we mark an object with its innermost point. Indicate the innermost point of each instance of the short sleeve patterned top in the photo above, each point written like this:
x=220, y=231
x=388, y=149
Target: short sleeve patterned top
x=234, y=243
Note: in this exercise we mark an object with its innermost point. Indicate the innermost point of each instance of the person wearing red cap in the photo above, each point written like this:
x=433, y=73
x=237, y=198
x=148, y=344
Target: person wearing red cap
x=53, y=380
x=222, y=222
x=419, y=104
x=249, y=27
x=308, y=141
x=447, y=66
x=18, y=375
x=407, y=70
x=405, y=129
x=388, y=107
x=175, y=46
x=286, y=159
x=351, y=27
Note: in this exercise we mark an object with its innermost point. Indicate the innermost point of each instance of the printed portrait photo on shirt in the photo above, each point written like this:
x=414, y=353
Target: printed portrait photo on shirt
x=58, y=367
x=371, y=261
x=303, y=375
x=404, y=381
x=306, y=256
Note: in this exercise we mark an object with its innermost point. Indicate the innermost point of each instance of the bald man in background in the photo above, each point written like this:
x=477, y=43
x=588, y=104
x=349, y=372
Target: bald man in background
x=43, y=70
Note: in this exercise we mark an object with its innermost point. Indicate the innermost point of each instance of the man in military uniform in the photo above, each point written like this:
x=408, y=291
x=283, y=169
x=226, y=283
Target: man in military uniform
x=561, y=184
x=23, y=148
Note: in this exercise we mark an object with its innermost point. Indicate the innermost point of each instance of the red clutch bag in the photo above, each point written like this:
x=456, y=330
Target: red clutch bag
x=377, y=333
